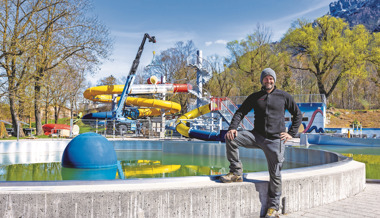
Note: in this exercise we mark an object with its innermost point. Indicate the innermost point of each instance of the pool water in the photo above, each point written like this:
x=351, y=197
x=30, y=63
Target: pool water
x=368, y=155
x=134, y=165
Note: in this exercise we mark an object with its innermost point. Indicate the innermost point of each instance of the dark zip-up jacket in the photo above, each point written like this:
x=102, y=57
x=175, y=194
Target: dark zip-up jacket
x=269, y=109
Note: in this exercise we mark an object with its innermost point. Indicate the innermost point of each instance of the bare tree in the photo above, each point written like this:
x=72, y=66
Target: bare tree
x=222, y=82
x=172, y=63
x=16, y=42
x=109, y=80
x=64, y=32
x=75, y=87
x=39, y=35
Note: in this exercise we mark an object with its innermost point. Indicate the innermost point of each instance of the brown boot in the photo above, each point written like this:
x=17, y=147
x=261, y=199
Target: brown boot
x=231, y=177
x=272, y=213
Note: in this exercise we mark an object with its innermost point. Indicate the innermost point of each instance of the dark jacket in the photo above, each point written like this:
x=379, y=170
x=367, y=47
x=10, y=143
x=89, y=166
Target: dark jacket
x=269, y=109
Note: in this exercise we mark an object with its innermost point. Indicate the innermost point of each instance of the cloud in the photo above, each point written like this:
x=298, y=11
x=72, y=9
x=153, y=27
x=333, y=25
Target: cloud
x=219, y=41
x=286, y=19
x=281, y=25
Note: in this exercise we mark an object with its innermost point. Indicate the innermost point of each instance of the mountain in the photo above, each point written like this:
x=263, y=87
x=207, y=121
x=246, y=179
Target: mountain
x=366, y=12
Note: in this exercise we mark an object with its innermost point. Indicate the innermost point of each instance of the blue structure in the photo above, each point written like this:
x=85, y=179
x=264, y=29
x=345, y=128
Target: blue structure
x=313, y=108
x=207, y=136
x=89, y=151
x=108, y=173
x=319, y=139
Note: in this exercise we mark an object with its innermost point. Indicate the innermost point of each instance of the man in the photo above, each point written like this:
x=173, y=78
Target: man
x=269, y=134
x=138, y=128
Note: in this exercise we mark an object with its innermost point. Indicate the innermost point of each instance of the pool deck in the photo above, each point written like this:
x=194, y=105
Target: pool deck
x=364, y=204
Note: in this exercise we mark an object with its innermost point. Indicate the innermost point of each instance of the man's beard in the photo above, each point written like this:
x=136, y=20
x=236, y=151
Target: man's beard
x=268, y=86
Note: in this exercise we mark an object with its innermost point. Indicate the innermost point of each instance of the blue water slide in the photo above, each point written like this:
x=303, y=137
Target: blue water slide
x=207, y=136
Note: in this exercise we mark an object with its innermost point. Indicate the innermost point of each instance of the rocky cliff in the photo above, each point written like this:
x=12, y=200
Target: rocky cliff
x=366, y=12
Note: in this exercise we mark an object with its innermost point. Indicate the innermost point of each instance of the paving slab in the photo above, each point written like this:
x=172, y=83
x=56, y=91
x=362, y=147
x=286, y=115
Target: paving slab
x=363, y=204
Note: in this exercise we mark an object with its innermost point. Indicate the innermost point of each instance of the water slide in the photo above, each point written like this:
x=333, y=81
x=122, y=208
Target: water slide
x=184, y=129
x=105, y=94
x=309, y=127
x=226, y=109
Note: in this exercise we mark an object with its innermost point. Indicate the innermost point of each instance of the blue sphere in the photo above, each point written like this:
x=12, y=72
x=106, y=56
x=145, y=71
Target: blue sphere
x=89, y=151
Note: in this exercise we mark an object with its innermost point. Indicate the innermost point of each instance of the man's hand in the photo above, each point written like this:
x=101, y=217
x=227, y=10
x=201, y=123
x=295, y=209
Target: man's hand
x=285, y=137
x=231, y=134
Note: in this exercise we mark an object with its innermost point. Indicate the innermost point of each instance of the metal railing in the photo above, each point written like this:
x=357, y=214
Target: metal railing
x=141, y=128
x=228, y=109
x=300, y=98
x=310, y=98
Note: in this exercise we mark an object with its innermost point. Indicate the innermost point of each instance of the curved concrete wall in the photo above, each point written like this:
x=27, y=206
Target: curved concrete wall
x=187, y=197
x=330, y=139
x=32, y=146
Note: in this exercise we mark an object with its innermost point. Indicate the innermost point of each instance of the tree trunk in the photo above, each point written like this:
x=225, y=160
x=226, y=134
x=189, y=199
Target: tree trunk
x=343, y=100
x=47, y=106
x=56, y=114
x=321, y=86
x=37, y=110
x=46, y=112
x=21, y=110
x=12, y=108
x=71, y=108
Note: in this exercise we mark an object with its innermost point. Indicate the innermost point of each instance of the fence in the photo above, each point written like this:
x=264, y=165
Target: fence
x=301, y=98
x=140, y=128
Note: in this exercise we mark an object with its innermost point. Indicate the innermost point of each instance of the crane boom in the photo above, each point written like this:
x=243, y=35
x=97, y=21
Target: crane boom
x=117, y=113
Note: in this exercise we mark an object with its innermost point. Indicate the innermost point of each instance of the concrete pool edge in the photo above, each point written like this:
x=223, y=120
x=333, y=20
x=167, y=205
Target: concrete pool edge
x=178, y=197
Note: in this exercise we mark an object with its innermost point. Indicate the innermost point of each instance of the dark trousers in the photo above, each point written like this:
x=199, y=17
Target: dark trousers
x=274, y=152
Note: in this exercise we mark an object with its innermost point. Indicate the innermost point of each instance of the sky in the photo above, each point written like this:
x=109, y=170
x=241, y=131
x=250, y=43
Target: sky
x=210, y=24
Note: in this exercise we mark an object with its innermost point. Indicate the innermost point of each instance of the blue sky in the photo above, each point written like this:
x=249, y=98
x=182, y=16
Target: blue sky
x=209, y=23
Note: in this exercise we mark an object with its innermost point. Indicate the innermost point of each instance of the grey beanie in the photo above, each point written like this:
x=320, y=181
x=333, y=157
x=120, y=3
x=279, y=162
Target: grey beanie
x=266, y=72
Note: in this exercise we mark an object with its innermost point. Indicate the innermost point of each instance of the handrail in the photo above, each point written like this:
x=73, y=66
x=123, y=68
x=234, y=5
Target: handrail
x=238, y=108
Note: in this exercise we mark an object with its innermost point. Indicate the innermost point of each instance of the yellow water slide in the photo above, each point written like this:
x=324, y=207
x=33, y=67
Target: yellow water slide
x=181, y=123
x=154, y=106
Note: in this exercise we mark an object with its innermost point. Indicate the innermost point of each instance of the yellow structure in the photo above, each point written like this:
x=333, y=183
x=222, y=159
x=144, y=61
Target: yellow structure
x=153, y=106
x=182, y=127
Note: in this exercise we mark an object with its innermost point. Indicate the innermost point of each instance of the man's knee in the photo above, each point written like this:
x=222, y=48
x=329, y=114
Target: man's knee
x=227, y=140
x=232, y=143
